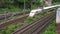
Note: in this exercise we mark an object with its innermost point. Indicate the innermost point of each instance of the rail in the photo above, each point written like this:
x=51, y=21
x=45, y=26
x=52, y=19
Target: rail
x=39, y=24
x=14, y=14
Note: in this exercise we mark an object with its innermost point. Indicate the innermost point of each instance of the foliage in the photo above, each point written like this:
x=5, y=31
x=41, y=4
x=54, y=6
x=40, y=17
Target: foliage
x=55, y=2
x=11, y=28
x=52, y=28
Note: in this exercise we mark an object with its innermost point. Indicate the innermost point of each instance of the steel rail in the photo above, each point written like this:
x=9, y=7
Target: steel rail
x=15, y=14
x=30, y=28
x=4, y=25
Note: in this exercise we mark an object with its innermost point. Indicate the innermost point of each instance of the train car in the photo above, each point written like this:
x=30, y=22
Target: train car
x=34, y=12
x=37, y=11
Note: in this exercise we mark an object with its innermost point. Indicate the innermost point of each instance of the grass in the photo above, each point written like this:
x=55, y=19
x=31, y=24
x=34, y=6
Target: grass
x=12, y=9
x=11, y=28
x=52, y=28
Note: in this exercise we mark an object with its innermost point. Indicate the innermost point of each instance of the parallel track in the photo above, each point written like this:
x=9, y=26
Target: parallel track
x=4, y=25
x=9, y=15
x=37, y=27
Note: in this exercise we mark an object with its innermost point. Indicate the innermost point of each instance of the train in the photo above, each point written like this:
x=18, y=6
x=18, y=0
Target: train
x=39, y=10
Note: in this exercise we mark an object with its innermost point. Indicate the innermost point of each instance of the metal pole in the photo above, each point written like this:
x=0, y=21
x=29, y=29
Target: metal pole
x=5, y=14
x=24, y=10
x=35, y=1
x=24, y=6
x=31, y=5
x=41, y=1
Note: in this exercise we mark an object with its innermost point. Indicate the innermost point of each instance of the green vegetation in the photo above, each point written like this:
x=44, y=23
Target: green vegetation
x=11, y=28
x=18, y=5
x=11, y=10
x=52, y=28
x=54, y=2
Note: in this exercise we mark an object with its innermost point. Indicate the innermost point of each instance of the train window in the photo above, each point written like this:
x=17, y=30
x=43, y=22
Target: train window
x=36, y=11
x=32, y=12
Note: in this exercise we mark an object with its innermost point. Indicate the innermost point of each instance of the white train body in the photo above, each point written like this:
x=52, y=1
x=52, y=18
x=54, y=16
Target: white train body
x=37, y=11
x=34, y=12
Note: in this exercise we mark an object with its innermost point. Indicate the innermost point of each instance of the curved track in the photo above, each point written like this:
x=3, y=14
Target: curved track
x=37, y=27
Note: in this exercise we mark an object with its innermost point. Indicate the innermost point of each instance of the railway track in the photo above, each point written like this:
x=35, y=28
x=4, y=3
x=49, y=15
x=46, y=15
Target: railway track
x=9, y=15
x=37, y=27
x=4, y=25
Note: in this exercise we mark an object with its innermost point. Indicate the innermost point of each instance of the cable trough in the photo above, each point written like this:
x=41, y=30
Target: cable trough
x=37, y=27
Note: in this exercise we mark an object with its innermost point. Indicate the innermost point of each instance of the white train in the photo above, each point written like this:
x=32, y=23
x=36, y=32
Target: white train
x=37, y=11
x=34, y=12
